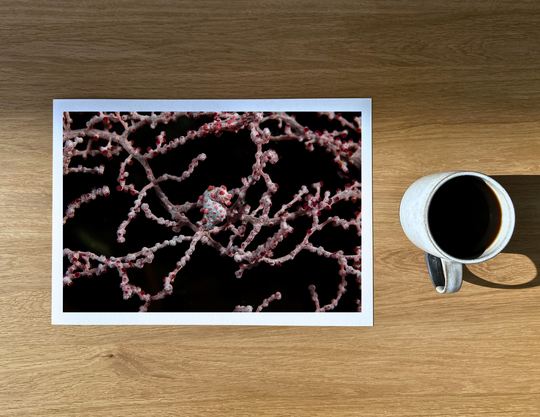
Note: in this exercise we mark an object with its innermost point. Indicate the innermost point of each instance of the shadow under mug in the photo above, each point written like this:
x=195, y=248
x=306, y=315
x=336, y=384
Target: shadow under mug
x=456, y=218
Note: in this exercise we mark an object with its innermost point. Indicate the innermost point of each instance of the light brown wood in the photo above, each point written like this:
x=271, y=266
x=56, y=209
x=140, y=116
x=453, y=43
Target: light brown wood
x=455, y=86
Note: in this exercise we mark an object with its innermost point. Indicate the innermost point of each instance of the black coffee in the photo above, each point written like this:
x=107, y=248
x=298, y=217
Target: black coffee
x=464, y=217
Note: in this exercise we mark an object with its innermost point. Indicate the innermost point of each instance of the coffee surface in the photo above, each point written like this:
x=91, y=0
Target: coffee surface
x=464, y=217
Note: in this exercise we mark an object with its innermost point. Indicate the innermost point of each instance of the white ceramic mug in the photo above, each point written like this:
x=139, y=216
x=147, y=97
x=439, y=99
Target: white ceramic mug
x=444, y=215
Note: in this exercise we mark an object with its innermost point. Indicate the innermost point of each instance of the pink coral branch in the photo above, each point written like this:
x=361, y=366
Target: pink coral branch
x=220, y=212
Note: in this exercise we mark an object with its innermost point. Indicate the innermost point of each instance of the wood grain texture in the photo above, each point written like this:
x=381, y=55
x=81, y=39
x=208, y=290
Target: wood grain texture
x=455, y=86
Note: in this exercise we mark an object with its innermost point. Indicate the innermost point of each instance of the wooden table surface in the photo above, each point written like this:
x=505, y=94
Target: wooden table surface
x=455, y=86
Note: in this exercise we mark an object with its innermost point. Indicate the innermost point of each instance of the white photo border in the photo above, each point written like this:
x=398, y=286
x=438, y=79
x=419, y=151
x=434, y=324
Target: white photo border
x=363, y=318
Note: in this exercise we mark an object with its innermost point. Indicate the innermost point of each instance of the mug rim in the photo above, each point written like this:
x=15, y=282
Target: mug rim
x=498, y=244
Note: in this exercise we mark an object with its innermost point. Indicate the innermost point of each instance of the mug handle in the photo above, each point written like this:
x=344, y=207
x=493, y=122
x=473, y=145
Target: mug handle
x=446, y=276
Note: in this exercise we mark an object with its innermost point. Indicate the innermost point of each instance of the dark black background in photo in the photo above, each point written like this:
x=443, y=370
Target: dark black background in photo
x=208, y=283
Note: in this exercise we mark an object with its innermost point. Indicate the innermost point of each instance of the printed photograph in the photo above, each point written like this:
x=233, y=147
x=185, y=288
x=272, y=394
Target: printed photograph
x=212, y=212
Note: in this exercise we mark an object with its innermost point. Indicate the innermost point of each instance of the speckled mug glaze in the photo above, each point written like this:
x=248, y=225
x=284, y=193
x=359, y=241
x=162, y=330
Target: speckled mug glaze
x=413, y=215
